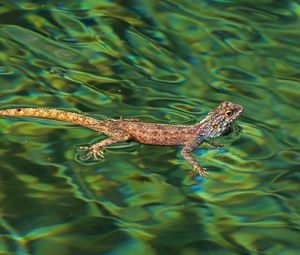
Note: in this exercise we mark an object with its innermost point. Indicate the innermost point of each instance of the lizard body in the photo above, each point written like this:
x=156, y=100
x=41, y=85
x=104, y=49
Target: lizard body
x=189, y=136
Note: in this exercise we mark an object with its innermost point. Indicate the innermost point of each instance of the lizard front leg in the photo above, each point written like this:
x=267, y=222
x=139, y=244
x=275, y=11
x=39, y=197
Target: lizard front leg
x=95, y=151
x=186, y=154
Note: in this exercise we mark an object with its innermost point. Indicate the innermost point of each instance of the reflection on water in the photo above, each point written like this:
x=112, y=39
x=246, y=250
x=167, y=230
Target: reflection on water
x=40, y=45
x=164, y=61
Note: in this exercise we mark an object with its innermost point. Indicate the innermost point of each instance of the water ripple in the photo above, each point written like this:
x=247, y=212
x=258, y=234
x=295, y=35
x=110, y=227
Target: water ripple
x=159, y=61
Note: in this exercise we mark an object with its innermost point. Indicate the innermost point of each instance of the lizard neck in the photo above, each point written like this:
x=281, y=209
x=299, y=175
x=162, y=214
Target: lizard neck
x=200, y=127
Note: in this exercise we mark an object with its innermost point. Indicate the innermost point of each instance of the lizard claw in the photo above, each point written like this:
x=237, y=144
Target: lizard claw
x=81, y=148
x=96, y=152
x=201, y=171
x=90, y=152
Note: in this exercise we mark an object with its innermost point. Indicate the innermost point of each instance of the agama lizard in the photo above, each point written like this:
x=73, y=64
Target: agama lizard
x=189, y=136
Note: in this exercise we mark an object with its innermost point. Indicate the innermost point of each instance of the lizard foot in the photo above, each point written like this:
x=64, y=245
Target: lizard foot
x=201, y=171
x=96, y=152
x=90, y=152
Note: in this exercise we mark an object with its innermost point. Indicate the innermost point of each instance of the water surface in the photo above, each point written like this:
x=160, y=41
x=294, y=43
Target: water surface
x=159, y=61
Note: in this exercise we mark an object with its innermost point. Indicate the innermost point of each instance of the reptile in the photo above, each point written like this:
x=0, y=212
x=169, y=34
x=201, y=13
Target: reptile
x=119, y=130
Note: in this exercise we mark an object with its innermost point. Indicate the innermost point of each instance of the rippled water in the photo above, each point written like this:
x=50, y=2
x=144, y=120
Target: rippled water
x=164, y=61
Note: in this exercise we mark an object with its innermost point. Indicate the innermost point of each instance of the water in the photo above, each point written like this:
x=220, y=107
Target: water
x=164, y=61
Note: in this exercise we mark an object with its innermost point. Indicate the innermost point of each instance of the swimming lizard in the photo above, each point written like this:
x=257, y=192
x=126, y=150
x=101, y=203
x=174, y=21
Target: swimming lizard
x=189, y=136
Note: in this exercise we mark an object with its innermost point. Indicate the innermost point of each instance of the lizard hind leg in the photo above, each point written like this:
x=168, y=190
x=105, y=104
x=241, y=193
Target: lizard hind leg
x=95, y=151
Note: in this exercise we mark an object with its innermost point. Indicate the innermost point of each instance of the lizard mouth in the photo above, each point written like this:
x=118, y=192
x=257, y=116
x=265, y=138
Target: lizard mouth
x=240, y=109
x=237, y=112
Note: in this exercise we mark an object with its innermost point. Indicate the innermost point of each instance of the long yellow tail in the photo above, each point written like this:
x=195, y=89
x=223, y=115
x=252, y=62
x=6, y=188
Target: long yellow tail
x=71, y=117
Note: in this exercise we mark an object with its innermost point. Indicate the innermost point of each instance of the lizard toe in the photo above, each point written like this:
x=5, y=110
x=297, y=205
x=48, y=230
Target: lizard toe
x=202, y=172
x=97, y=153
x=81, y=148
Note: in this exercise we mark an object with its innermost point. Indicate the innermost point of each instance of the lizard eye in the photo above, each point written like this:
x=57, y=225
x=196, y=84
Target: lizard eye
x=229, y=113
x=215, y=126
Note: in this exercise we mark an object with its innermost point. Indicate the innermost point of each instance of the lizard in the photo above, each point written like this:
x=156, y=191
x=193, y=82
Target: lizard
x=119, y=130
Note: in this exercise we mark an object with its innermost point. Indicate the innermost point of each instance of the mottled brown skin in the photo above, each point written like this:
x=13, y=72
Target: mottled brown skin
x=188, y=136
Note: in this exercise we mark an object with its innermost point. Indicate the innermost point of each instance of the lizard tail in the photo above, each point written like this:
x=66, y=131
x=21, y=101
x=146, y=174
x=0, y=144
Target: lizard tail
x=71, y=117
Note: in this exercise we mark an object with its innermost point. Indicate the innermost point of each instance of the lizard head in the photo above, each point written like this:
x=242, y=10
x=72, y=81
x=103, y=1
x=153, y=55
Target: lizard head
x=219, y=120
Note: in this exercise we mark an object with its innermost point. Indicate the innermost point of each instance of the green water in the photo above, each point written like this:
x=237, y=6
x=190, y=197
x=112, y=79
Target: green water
x=159, y=61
